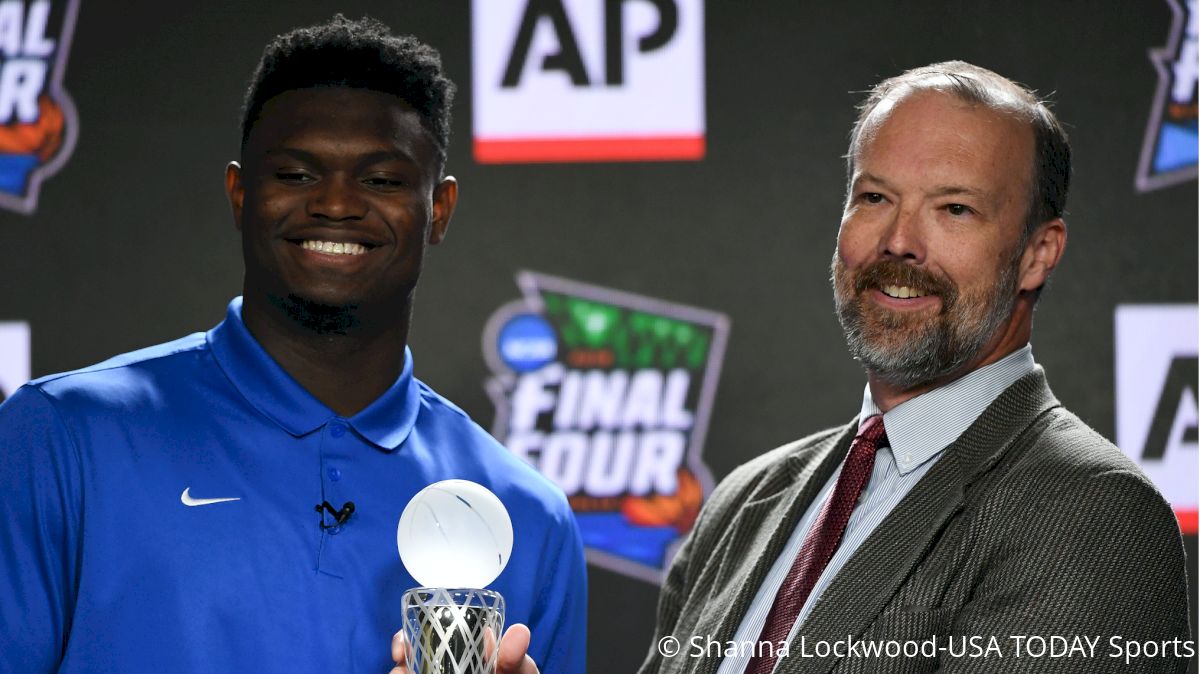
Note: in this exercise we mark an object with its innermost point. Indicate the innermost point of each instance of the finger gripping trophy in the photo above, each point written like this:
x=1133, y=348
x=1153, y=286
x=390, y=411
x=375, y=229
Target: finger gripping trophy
x=455, y=537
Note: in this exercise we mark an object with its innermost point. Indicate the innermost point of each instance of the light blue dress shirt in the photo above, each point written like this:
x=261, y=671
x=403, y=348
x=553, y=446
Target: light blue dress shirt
x=918, y=432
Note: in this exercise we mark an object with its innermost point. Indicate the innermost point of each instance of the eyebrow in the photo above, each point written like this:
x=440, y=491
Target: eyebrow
x=293, y=153
x=367, y=159
x=938, y=191
x=388, y=155
x=955, y=190
x=871, y=178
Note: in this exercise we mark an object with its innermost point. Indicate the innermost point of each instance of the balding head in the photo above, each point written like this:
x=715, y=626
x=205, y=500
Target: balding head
x=1050, y=174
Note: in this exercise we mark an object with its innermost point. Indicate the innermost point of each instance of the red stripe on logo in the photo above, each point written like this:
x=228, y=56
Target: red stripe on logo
x=1187, y=521
x=632, y=148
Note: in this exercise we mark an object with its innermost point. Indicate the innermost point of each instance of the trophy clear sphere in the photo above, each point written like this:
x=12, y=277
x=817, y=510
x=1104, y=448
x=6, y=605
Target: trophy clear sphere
x=454, y=537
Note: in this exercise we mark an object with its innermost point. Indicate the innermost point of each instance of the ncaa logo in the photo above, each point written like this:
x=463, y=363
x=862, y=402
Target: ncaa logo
x=588, y=80
x=38, y=124
x=1157, y=414
x=14, y=357
x=526, y=342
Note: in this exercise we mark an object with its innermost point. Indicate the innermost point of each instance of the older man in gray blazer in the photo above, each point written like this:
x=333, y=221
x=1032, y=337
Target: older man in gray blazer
x=964, y=521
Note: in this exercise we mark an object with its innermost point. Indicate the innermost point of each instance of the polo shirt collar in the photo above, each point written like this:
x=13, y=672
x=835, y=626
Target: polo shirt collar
x=265, y=385
x=920, y=428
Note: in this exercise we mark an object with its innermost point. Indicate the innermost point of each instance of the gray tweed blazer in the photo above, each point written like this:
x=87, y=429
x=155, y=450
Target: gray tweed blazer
x=1030, y=524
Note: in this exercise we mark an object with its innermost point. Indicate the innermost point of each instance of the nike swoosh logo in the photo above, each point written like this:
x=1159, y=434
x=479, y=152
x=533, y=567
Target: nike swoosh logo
x=189, y=501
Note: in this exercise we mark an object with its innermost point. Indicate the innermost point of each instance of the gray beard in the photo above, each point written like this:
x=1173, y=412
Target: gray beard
x=939, y=348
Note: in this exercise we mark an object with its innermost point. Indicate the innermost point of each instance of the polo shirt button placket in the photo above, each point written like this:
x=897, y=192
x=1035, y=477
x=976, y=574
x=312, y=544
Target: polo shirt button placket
x=337, y=431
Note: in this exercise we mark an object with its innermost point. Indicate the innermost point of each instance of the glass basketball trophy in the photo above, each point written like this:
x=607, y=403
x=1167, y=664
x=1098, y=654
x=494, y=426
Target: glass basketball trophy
x=454, y=537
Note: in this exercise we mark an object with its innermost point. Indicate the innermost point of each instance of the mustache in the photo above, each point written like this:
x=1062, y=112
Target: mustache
x=894, y=272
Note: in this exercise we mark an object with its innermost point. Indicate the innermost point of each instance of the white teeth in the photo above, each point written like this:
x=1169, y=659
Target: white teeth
x=331, y=248
x=902, y=292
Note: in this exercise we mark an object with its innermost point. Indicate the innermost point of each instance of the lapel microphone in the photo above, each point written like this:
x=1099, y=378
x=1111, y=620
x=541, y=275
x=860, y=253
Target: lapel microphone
x=340, y=516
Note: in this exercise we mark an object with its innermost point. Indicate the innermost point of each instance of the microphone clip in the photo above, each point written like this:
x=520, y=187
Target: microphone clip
x=339, y=516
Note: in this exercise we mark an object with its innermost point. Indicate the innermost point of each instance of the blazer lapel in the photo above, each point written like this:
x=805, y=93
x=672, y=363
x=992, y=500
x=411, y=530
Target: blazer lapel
x=758, y=533
x=873, y=574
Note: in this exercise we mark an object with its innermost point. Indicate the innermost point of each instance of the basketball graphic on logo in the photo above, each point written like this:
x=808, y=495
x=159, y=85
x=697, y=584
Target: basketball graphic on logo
x=678, y=510
x=42, y=137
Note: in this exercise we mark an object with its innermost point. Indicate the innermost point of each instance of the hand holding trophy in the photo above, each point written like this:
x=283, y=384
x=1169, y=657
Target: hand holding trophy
x=455, y=537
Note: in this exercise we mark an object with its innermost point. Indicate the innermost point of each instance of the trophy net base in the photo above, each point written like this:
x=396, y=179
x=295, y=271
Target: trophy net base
x=452, y=631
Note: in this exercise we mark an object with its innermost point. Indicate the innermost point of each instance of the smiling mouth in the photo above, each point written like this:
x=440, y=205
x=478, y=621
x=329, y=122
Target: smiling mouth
x=902, y=292
x=334, y=247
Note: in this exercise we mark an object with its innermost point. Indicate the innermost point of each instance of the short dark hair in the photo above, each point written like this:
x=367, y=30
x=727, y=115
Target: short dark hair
x=1051, y=174
x=363, y=54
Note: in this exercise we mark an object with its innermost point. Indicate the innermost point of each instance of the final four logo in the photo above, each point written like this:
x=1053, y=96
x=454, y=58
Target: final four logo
x=608, y=394
x=1170, y=150
x=38, y=125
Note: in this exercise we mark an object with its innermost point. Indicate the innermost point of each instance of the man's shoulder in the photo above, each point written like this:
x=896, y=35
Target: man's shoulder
x=124, y=377
x=447, y=417
x=1063, y=445
x=1061, y=464
x=515, y=481
x=115, y=389
x=125, y=373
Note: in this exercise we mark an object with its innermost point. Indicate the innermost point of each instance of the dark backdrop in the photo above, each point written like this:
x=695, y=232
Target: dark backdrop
x=132, y=243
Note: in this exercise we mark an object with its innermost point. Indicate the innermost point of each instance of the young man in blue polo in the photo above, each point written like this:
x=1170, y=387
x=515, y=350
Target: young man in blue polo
x=160, y=509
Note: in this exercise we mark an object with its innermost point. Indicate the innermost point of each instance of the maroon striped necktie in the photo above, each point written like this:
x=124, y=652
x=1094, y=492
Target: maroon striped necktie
x=820, y=542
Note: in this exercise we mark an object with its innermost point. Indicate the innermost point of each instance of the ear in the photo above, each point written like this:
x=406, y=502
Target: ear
x=445, y=198
x=1042, y=253
x=235, y=191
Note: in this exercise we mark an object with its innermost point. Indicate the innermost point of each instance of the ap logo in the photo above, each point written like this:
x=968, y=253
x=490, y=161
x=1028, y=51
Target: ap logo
x=1157, y=414
x=588, y=80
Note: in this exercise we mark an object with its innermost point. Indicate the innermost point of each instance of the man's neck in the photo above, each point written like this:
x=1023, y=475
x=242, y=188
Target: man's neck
x=346, y=370
x=887, y=395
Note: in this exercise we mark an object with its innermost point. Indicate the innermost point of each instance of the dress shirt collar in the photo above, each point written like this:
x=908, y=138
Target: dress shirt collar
x=919, y=428
x=386, y=422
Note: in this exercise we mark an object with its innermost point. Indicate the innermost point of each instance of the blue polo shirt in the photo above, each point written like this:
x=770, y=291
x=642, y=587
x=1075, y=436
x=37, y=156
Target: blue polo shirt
x=106, y=565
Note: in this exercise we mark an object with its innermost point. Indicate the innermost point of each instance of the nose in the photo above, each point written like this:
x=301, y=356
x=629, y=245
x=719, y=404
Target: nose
x=902, y=239
x=336, y=197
